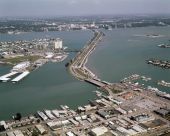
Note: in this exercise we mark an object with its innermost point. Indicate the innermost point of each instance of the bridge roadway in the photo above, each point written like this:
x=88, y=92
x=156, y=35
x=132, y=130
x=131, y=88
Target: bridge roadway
x=77, y=67
x=95, y=82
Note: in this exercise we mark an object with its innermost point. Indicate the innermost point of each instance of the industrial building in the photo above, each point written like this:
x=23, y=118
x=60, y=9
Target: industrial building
x=41, y=129
x=98, y=131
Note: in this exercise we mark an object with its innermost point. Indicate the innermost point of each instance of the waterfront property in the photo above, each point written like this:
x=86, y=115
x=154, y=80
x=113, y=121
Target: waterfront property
x=112, y=76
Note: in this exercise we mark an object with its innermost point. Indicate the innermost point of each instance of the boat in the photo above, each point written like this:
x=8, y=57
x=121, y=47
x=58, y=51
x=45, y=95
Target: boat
x=163, y=83
x=164, y=45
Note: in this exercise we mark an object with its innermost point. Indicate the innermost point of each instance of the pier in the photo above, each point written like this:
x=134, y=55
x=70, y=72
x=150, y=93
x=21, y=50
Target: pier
x=21, y=76
x=6, y=77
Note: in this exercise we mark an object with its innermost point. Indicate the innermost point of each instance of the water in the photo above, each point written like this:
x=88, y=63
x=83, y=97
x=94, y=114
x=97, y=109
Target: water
x=122, y=54
x=119, y=54
x=47, y=87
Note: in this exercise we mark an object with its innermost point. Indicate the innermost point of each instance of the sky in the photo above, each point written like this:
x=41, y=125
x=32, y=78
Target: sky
x=25, y=8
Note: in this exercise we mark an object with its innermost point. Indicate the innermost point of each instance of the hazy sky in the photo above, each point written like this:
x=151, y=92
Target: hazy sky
x=81, y=7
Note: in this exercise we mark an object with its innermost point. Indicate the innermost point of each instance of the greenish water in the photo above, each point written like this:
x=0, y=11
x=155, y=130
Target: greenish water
x=119, y=54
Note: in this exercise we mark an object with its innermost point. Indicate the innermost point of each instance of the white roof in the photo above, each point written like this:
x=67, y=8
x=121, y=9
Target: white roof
x=70, y=134
x=78, y=118
x=22, y=65
x=40, y=128
x=18, y=133
x=48, y=113
x=99, y=131
x=56, y=113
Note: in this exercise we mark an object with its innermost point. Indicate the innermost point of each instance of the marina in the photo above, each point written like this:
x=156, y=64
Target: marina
x=160, y=63
x=135, y=77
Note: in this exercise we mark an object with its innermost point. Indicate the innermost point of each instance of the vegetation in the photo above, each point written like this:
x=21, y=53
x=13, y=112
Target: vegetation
x=35, y=133
x=21, y=59
x=116, y=91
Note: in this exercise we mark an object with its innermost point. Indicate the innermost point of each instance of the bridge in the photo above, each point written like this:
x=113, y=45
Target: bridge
x=71, y=50
x=96, y=82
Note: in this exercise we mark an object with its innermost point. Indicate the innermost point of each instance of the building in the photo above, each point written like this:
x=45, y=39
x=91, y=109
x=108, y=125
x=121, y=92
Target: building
x=163, y=112
x=103, y=114
x=15, y=133
x=142, y=118
x=98, y=131
x=18, y=133
x=58, y=44
x=41, y=129
x=49, y=55
x=70, y=133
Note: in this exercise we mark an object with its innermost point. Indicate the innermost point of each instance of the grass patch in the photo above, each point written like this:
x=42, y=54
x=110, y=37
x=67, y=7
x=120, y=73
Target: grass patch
x=116, y=91
x=21, y=59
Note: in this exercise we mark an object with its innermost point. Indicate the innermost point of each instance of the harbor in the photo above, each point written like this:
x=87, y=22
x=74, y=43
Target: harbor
x=55, y=76
x=126, y=113
x=18, y=72
x=134, y=77
x=27, y=56
x=134, y=110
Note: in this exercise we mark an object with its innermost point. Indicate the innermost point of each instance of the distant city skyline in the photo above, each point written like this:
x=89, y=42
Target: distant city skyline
x=26, y=8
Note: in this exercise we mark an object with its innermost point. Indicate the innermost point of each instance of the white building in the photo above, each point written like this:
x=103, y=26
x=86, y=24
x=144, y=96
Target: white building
x=49, y=55
x=98, y=131
x=58, y=44
x=3, y=123
x=41, y=129
x=70, y=133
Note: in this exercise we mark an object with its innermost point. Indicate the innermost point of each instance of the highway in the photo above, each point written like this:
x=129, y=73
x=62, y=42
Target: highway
x=77, y=66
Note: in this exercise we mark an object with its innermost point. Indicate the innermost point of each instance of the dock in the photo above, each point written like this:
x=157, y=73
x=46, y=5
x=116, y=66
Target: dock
x=6, y=77
x=21, y=76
